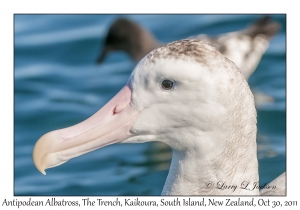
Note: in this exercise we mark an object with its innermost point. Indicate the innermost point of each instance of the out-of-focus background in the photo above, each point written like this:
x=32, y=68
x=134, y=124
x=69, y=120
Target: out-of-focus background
x=58, y=84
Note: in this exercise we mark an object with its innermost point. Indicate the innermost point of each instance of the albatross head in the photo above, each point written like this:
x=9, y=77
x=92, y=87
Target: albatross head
x=126, y=35
x=185, y=94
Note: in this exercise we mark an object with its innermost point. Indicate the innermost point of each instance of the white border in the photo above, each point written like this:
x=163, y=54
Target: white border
x=8, y=8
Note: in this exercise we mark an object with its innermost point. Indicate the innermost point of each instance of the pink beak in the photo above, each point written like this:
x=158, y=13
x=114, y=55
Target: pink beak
x=111, y=124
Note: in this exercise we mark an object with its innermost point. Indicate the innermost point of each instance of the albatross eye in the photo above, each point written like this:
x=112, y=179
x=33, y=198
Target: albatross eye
x=167, y=84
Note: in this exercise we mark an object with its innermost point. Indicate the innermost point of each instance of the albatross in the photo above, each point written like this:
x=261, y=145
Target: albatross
x=189, y=96
x=244, y=47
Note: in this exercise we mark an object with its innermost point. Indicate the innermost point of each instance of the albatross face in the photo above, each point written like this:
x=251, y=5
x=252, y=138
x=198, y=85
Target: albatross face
x=174, y=97
x=177, y=94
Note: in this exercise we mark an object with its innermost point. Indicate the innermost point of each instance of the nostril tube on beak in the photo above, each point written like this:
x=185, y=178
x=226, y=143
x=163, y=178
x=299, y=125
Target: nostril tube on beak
x=119, y=108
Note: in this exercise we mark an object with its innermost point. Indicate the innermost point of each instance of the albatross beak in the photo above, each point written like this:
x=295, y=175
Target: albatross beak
x=111, y=124
x=103, y=54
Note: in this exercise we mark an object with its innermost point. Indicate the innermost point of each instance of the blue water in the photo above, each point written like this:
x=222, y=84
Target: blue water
x=58, y=84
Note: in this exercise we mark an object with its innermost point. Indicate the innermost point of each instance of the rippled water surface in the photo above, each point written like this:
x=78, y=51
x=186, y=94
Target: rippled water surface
x=57, y=84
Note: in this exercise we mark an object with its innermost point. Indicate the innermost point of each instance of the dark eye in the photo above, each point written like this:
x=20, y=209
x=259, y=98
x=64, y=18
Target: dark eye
x=167, y=84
